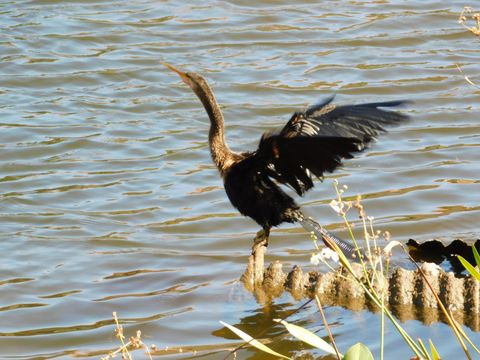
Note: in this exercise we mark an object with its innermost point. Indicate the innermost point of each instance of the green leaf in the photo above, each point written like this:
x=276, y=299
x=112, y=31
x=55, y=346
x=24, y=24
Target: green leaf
x=255, y=343
x=307, y=337
x=358, y=352
x=476, y=255
x=424, y=349
x=474, y=272
x=434, y=351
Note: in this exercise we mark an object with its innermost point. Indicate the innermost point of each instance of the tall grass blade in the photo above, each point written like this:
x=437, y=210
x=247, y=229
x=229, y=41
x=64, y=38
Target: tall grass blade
x=425, y=351
x=250, y=340
x=465, y=336
x=474, y=272
x=433, y=349
x=476, y=255
x=308, y=337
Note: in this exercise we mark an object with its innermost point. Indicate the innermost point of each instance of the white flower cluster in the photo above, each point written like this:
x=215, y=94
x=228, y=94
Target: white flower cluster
x=324, y=255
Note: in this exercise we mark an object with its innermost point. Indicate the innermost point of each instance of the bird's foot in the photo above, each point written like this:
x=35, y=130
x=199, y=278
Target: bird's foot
x=257, y=259
x=261, y=239
x=253, y=276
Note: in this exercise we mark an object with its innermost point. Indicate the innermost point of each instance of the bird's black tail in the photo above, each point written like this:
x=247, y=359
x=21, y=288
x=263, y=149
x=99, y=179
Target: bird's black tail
x=314, y=227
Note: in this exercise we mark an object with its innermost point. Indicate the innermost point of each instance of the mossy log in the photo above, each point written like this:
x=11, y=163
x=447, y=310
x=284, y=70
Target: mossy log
x=406, y=291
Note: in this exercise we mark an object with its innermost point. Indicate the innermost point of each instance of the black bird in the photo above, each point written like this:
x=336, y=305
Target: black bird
x=313, y=141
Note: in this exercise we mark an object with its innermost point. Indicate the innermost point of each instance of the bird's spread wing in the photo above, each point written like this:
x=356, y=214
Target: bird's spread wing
x=363, y=121
x=293, y=160
x=316, y=140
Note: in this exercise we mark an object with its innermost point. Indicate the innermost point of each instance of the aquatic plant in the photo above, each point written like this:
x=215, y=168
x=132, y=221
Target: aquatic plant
x=375, y=263
x=133, y=343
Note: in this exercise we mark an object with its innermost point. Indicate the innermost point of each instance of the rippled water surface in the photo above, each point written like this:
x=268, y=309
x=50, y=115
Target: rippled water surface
x=109, y=200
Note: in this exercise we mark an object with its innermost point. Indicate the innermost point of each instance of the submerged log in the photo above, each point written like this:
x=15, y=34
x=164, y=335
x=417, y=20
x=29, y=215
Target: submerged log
x=406, y=292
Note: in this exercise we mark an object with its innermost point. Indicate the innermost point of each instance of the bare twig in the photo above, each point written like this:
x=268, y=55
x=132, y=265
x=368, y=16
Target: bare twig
x=467, y=79
x=319, y=304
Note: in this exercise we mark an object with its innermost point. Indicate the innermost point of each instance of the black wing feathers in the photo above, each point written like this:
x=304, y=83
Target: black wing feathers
x=364, y=121
x=316, y=140
x=293, y=160
x=317, y=107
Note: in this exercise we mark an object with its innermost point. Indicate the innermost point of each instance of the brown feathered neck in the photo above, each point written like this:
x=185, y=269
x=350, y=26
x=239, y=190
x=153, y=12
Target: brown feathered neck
x=222, y=156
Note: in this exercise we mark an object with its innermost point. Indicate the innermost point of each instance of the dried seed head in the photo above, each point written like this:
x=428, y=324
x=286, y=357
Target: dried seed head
x=387, y=236
x=337, y=206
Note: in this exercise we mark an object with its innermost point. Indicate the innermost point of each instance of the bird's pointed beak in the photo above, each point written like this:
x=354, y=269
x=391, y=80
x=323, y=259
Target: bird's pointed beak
x=180, y=73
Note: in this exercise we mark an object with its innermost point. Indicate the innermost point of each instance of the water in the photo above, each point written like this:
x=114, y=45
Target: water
x=109, y=200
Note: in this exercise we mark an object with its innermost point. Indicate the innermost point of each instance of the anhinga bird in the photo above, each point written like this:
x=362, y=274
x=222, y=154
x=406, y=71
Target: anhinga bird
x=313, y=141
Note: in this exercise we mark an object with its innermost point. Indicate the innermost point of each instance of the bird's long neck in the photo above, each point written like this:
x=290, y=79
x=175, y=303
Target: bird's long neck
x=221, y=154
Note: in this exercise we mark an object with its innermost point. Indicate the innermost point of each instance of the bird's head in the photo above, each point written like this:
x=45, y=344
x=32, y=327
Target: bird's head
x=203, y=91
x=196, y=82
